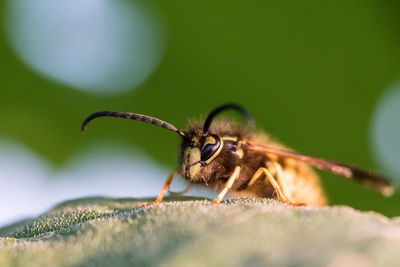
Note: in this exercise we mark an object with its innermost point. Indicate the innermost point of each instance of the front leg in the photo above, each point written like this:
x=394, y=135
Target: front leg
x=165, y=187
x=227, y=186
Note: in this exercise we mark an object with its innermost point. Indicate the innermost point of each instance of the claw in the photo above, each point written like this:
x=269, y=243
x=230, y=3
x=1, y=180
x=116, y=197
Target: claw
x=147, y=204
x=215, y=202
x=294, y=204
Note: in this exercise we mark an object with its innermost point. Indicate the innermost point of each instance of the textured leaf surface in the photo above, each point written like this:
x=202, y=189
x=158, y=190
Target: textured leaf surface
x=241, y=232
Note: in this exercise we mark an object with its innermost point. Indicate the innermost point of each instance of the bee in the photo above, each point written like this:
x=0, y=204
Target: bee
x=235, y=158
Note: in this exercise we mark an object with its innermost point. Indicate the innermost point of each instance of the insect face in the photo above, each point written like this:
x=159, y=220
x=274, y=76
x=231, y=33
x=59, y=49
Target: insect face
x=198, y=153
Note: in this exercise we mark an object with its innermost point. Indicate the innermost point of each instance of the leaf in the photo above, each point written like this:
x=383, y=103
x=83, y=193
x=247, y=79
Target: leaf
x=239, y=232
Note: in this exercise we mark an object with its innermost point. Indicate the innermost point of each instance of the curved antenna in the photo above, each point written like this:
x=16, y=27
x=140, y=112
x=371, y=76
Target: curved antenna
x=132, y=116
x=224, y=107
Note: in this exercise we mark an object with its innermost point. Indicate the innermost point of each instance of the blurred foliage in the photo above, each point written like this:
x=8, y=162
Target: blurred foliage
x=309, y=72
x=93, y=232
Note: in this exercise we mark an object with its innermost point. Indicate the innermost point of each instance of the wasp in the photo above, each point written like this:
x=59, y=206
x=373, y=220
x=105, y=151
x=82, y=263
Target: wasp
x=236, y=158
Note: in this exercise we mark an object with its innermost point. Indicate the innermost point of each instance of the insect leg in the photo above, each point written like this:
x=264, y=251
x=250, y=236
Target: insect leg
x=165, y=187
x=160, y=195
x=227, y=186
x=280, y=179
x=178, y=193
x=256, y=176
x=281, y=195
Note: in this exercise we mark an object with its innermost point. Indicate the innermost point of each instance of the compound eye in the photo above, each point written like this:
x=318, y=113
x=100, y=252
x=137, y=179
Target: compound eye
x=211, y=149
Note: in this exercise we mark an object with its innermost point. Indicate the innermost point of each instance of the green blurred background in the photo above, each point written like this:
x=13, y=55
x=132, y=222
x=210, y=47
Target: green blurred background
x=312, y=74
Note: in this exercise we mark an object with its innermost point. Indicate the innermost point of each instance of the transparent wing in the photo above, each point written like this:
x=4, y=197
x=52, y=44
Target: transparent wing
x=369, y=179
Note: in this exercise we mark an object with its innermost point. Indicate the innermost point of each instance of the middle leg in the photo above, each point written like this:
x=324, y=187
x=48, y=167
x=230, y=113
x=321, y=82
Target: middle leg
x=281, y=194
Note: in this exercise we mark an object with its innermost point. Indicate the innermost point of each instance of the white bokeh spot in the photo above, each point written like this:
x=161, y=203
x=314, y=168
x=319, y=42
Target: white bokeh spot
x=94, y=45
x=31, y=185
x=385, y=132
